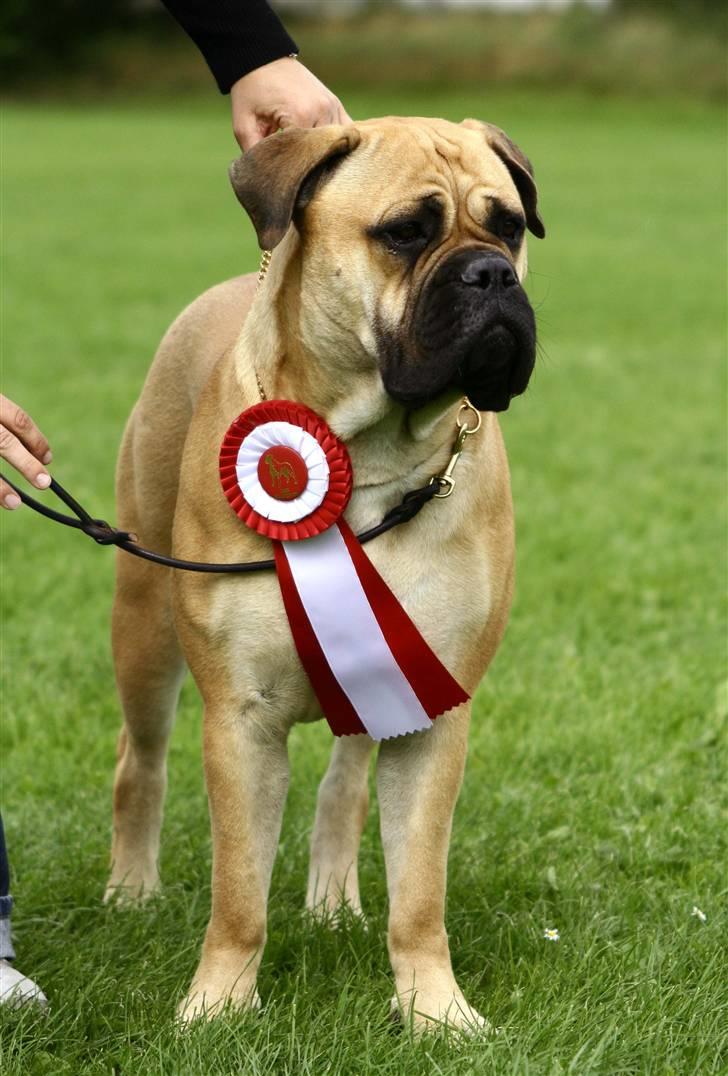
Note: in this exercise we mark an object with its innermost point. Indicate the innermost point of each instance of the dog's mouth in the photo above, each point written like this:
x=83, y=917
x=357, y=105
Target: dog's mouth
x=490, y=369
x=493, y=352
x=496, y=367
x=473, y=329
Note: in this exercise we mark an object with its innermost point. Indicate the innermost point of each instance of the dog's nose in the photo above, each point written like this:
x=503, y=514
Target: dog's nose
x=488, y=272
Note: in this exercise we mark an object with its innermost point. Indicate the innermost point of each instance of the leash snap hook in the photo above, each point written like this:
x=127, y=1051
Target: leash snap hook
x=446, y=481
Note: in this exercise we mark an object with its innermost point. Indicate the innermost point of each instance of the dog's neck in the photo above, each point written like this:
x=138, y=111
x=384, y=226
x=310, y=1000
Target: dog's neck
x=338, y=378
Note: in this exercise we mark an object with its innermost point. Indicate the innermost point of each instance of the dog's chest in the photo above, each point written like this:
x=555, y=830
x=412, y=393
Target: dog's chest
x=440, y=577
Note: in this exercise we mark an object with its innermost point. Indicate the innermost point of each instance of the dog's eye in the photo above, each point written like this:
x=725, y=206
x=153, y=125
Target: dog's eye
x=404, y=233
x=510, y=229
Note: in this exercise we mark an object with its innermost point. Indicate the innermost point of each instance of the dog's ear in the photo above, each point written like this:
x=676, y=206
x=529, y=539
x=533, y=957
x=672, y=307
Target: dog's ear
x=520, y=168
x=279, y=175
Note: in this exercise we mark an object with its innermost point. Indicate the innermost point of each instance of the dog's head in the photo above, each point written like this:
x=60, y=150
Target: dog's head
x=412, y=250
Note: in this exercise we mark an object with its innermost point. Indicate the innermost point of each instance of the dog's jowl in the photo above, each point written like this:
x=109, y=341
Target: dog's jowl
x=394, y=291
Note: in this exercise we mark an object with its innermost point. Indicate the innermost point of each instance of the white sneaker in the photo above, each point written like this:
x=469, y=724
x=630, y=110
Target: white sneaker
x=17, y=989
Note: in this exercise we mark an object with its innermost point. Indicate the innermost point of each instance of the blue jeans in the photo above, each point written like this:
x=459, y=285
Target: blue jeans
x=6, y=901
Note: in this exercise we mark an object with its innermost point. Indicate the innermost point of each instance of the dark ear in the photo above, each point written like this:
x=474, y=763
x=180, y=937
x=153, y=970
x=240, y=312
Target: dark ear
x=279, y=175
x=520, y=168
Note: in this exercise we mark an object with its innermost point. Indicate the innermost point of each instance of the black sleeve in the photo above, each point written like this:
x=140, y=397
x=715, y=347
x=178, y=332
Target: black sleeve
x=234, y=36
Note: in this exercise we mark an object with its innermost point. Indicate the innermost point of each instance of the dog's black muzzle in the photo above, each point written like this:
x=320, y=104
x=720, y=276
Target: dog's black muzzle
x=474, y=330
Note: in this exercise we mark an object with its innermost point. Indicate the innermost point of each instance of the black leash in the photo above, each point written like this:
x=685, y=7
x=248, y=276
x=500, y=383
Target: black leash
x=104, y=534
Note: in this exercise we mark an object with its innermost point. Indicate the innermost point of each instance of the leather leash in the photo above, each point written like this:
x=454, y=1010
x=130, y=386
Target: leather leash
x=103, y=533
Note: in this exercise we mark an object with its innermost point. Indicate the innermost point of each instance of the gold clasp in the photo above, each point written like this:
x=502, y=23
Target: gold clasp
x=468, y=421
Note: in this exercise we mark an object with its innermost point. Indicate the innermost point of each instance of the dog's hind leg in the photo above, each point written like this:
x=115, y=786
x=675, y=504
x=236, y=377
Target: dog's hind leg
x=149, y=672
x=341, y=812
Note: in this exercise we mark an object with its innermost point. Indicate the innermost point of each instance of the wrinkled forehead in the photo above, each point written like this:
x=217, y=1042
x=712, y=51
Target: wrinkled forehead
x=402, y=161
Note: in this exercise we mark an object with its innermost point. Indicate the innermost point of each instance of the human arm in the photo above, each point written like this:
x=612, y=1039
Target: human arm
x=252, y=58
x=234, y=36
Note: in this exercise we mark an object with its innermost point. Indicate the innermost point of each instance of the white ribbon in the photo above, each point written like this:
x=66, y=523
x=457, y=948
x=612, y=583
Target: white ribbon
x=351, y=638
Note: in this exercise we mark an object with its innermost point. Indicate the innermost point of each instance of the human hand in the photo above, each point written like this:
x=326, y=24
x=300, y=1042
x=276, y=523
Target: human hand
x=278, y=95
x=24, y=447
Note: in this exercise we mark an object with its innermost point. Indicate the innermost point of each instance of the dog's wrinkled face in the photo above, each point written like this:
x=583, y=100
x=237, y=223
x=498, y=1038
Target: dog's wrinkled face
x=412, y=247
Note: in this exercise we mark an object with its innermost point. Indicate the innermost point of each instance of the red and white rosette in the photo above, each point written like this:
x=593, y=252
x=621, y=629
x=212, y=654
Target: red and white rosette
x=284, y=472
x=288, y=477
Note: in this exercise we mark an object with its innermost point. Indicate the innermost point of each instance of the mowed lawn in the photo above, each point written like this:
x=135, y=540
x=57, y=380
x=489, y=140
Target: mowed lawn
x=594, y=795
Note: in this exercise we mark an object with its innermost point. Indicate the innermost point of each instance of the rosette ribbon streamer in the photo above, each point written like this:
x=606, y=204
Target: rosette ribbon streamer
x=288, y=477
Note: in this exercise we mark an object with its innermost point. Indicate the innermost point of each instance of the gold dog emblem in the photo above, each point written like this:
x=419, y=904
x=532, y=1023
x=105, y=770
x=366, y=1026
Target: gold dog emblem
x=282, y=473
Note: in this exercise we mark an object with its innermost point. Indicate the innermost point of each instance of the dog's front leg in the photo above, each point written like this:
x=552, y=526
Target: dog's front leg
x=246, y=771
x=418, y=780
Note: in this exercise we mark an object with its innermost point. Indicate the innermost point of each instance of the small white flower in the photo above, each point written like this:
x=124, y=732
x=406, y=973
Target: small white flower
x=551, y=935
x=698, y=914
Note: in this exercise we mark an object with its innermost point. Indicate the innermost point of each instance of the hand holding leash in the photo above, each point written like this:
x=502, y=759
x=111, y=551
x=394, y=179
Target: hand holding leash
x=24, y=447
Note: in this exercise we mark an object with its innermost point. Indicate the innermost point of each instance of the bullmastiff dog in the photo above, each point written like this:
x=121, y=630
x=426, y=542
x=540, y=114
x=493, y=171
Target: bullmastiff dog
x=394, y=289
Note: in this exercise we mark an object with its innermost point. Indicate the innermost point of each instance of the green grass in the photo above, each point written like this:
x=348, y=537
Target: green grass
x=593, y=795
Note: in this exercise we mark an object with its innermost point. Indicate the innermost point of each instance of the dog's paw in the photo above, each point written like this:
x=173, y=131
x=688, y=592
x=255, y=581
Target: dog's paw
x=203, y=1003
x=131, y=891
x=337, y=914
x=424, y=1014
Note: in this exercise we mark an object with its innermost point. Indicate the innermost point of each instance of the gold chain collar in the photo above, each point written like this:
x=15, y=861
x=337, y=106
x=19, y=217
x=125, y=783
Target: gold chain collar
x=264, y=267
